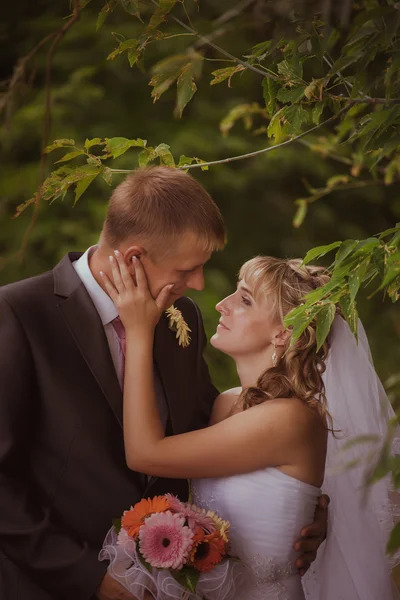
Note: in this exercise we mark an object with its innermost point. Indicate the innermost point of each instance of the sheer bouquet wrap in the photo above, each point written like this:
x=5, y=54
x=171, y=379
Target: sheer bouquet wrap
x=172, y=550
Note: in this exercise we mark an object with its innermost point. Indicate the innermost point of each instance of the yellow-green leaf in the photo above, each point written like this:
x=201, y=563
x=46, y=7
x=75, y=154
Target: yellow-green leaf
x=83, y=184
x=319, y=251
x=70, y=156
x=59, y=144
x=324, y=321
x=186, y=87
x=119, y=145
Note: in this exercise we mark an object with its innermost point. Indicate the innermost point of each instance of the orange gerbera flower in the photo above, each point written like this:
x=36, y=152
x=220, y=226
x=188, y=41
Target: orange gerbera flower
x=133, y=519
x=209, y=551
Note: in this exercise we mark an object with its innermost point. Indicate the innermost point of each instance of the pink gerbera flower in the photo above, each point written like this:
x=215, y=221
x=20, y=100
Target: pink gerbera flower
x=196, y=516
x=165, y=541
x=125, y=540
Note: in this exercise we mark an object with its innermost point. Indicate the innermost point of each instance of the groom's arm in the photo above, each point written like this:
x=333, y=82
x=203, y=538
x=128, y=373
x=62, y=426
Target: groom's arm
x=31, y=535
x=312, y=536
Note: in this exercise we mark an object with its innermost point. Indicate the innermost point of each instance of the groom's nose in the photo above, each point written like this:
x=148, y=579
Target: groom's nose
x=195, y=281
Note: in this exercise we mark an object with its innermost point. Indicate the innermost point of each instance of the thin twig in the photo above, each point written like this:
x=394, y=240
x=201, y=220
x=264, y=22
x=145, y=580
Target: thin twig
x=369, y=100
x=256, y=152
x=19, y=72
x=47, y=118
x=208, y=42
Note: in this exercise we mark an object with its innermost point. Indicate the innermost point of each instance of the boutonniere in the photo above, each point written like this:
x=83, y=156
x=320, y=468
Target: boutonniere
x=178, y=324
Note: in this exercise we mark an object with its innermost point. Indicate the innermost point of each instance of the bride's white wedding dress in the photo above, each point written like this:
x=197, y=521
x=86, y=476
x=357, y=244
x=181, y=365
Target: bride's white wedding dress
x=266, y=510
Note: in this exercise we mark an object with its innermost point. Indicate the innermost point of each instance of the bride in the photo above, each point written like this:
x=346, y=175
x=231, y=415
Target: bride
x=261, y=463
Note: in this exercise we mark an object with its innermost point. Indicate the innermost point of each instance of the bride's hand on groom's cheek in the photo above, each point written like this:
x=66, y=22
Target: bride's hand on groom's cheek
x=312, y=536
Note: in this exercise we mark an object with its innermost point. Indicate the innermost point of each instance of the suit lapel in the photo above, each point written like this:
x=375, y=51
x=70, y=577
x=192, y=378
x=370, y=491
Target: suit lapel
x=87, y=330
x=174, y=376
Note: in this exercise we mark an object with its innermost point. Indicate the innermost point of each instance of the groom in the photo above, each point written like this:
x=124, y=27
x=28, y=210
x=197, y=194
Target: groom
x=63, y=475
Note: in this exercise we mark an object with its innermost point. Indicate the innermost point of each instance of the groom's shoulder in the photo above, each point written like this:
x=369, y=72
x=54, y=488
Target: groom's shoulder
x=28, y=290
x=190, y=311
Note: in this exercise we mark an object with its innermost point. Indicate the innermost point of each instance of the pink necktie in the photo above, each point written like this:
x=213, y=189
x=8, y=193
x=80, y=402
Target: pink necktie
x=120, y=331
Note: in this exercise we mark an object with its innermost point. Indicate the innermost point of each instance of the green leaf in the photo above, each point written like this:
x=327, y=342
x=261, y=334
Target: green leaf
x=343, y=62
x=319, y=251
x=337, y=180
x=245, y=112
x=392, y=269
x=317, y=112
x=105, y=12
x=275, y=127
x=394, y=540
x=166, y=72
x=106, y=174
x=345, y=249
x=294, y=116
x=83, y=184
x=300, y=318
x=188, y=577
x=261, y=48
x=392, y=171
x=93, y=142
x=62, y=143
x=119, y=145
x=301, y=212
x=324, y=321
x=144, y=562
x=186, y=87
x=125, y=46
x=291, y=71
x=70, y=156
x=349, y=312
x=117, y=525
x=159, y=15
x=270, y=88
x=291, y=94
x=356, y=277
x=131, y=7
x=221, y=75
x=163, y=152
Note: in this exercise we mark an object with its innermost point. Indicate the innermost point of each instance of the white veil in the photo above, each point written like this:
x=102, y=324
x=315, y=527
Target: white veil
x=352, y=563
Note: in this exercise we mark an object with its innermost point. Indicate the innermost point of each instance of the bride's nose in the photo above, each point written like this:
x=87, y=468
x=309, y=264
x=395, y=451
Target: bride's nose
x=222, y=307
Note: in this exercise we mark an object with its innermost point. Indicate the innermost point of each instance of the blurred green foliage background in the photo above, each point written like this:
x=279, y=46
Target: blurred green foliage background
x=93, y=97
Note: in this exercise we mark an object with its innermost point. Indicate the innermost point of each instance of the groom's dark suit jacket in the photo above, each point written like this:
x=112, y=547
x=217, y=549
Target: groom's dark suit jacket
x=63, y=476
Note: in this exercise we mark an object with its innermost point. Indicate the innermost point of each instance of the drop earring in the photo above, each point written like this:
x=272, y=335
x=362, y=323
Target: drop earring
x=274, y=356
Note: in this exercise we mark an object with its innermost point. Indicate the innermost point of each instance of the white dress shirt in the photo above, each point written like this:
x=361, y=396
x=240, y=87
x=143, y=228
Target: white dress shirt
x=104, y=306
x=108, y=312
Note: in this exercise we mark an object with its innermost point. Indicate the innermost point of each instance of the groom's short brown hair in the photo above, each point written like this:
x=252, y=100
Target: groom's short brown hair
x=158, y=204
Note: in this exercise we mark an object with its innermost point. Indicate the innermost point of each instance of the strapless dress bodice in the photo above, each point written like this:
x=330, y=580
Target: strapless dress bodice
x=266, y=510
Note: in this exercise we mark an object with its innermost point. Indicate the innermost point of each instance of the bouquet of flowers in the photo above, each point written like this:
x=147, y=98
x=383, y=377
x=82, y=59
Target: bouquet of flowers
x=170, y=549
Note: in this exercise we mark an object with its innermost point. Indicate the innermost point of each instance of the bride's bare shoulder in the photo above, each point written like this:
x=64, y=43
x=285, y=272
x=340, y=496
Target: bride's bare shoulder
x=224, y=404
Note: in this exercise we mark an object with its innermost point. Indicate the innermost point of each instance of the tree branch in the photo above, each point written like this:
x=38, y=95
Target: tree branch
x=256, y=152
x=208, y=42
x=58, y=36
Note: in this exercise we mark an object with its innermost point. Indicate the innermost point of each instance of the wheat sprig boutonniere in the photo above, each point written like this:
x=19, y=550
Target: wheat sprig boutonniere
x=178, y=324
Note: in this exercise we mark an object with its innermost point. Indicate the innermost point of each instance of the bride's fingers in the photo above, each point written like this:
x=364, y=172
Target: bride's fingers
x=163, y=296
x=116, y=275
x=124, y=271
x=141, y=279
x=112, y=292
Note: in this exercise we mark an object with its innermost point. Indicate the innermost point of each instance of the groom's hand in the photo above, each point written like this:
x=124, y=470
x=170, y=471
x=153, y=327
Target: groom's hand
x=312, y=536
x=110, y=589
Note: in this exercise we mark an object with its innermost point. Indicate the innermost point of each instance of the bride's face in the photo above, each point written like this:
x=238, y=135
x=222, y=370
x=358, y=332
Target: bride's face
x=245, y=327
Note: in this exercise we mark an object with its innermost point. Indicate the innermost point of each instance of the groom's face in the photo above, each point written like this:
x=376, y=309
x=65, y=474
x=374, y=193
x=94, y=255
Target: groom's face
x=182, y=266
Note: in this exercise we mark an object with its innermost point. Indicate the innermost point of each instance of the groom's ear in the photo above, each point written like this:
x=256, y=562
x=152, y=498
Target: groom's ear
x=131, y=252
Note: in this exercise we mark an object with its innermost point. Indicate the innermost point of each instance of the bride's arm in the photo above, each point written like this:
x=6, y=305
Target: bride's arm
x=266, y=435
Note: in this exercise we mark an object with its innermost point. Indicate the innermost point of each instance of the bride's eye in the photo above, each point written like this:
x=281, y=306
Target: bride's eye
x=246, y=301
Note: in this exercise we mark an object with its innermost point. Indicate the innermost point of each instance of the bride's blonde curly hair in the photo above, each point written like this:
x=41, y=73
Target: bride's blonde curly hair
x=283, y=283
